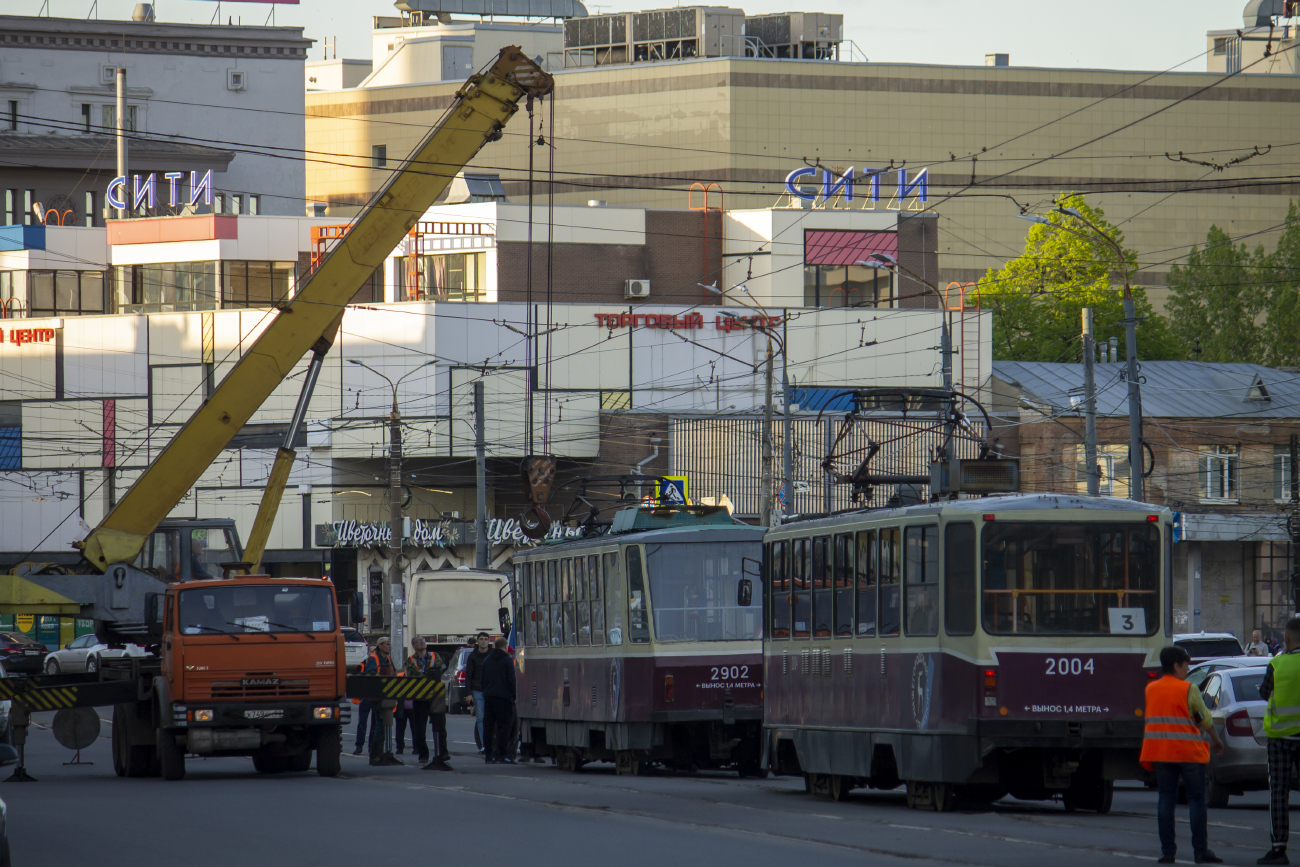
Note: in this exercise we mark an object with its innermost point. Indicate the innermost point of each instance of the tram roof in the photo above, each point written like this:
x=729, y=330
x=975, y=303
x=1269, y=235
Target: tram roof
x=703, y=533
x=984, y=505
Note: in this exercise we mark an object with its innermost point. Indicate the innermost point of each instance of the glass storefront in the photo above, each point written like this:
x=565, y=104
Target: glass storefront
x=51, y=293
x=847, y=286
x=1273, y=603
x=178, y=287
x=444, y=277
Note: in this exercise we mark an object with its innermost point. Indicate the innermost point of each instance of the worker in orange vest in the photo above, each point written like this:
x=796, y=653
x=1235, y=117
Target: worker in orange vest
x=1173, y=747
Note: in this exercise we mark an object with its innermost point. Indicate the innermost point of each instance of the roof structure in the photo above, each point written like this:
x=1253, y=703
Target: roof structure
x=1170, y=389
x=53, y=150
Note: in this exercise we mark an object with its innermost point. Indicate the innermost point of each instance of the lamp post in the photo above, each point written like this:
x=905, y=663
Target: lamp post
x=1135, y=460
x=765, y=491
x=395, y=603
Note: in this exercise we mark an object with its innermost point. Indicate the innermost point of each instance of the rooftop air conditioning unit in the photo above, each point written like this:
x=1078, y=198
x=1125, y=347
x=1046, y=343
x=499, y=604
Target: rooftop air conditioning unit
x=636, y=289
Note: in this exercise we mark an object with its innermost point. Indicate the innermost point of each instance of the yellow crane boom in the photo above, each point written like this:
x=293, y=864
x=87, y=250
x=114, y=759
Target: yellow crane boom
x=483, y=106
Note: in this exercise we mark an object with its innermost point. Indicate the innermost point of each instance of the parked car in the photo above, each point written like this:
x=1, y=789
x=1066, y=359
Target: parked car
x=20, y=654
x=1201, y=671
x=1232, y=695
x=1201, y=646
x=84, y=653
x=355, y=648
x=6, y=733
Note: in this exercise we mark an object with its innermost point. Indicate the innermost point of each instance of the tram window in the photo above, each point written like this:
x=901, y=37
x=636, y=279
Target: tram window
x=615, y=605
x=557, y=615
x=579, y=578
x=1056, y=578
x=823, y=616
x=866, y=582
x=694, y=592
x=843, y=586
x=566, y=580
x=800, y=567
x=638, y=626
x=921, y=580
x=523, y=598
x=597, y=606
x=889, y=577
x=552, y=581
x=779, y=601
x=959, y=579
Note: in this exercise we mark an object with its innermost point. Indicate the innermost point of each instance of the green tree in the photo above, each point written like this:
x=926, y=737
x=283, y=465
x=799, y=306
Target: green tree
x=1282, y=291
x=1216, y=299
x=1037, y=298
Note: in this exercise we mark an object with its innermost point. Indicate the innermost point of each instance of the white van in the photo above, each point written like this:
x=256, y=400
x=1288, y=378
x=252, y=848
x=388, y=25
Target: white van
x=447, y=608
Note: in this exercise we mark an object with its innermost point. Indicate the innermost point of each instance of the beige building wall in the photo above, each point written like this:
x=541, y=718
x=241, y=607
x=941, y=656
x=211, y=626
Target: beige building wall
x=641, y=135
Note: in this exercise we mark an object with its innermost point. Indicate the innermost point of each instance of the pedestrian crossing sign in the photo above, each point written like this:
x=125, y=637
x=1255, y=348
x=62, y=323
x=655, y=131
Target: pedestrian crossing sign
x=673, y=491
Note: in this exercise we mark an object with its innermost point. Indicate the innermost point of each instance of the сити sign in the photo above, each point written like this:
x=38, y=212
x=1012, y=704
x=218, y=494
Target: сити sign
x=843, y=183
x=145, y=194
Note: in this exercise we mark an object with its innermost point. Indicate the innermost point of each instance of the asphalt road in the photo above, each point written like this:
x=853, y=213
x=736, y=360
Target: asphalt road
x=224, y=813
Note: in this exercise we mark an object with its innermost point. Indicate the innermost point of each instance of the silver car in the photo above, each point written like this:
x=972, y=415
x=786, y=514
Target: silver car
x=1202, y=670
x=84, y=654
x=1232, y=696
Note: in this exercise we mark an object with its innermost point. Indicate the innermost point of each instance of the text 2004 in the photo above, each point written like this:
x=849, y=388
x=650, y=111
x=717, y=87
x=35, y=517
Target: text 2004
x=730, y=672
x=1069, y=665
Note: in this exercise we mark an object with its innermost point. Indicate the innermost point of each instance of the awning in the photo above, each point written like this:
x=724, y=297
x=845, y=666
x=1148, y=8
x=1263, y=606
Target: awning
x=20, y=596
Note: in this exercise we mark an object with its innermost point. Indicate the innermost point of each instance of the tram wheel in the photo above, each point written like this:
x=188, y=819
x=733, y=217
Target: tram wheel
x=940, y=797
x=839, y=787
x=566, y=759
x=626, y=764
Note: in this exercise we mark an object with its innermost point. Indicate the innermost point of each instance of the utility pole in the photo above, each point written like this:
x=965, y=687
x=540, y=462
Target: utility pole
x=945, y=350
x=1136, y=459
x=1090, y=407
x=480, y=460
x=121, y=138
x=765, y=493
x=396, y=596
x=787, y=447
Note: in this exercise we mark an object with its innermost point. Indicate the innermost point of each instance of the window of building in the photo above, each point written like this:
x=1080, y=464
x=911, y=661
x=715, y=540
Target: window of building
x=1220, y=45
x=379, y=156
x=444, y=277
x=65, y=293
x=1282, y=473
x=13, y=294
x=86, y=117
x=1112, y=461
x=254, y=205
x=12, y=117
x=168, y=287
x=1273, y=603
x=1218, y=472
x=11, y=207
x=255, y=284
x=108, y=117
x=29, y=199
x=847, y=286
x=90, y=207
x=11, y=435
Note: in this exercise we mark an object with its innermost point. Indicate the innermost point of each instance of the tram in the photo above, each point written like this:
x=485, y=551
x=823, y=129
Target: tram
x=967, y=648
x=643, y=646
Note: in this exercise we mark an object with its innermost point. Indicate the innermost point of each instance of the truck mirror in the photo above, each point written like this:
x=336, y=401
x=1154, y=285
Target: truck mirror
x=503, y=615
x=153, y=614
x=745, y=592
x=358, y=607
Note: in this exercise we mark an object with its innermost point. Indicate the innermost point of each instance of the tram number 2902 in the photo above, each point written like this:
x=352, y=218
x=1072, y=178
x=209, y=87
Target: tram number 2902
x=730, y=672
x=1069, y=665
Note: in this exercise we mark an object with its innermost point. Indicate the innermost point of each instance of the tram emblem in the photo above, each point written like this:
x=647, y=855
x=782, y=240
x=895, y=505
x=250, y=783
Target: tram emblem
x=922, y=689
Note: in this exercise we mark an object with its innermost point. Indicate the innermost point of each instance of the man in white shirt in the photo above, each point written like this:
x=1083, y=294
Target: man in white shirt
x=1257, y=647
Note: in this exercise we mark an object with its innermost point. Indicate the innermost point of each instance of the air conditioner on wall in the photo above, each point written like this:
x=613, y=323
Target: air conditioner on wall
x=636, y=289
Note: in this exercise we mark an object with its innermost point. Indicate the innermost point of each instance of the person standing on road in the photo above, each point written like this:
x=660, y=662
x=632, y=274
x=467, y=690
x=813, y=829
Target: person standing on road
x=1173, y=747
x=1281, y=688
x=499, y=696
x=421, y=663
x=474, y=680
x=381, y=662
x=1257, y=647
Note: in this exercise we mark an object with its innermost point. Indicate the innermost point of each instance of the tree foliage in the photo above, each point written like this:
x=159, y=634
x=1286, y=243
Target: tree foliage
x=1037, y=298
x=1216, y=299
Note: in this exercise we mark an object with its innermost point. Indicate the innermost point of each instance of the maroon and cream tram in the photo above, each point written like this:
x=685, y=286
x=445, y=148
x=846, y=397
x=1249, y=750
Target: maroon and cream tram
x=968, y=648
x=643, y=645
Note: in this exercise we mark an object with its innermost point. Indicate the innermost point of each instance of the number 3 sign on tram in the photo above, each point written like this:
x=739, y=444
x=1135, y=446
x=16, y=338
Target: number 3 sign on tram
x=1127, y=621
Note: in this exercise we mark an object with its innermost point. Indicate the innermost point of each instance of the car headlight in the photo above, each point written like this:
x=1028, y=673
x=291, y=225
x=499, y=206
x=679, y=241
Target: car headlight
x=202, y=715
x=324, y=712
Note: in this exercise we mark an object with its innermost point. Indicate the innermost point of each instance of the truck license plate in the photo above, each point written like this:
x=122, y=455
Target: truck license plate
x=264, y=714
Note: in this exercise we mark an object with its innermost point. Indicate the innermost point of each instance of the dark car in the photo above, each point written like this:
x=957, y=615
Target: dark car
x=459, y=698
x=20, y=654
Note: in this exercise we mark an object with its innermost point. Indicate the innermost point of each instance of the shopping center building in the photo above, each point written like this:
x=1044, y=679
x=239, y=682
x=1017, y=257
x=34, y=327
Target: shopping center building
x=992, y=139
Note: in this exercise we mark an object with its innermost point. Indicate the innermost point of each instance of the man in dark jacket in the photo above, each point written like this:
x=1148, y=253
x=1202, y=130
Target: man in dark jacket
x=499, y=698
x=381, y=662
x=474, y=680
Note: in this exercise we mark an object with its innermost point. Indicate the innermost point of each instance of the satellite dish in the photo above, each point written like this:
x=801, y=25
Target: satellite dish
x=76, y=727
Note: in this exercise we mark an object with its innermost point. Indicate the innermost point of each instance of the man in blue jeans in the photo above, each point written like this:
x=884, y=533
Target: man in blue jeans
x=474, y=680
x=365, y=713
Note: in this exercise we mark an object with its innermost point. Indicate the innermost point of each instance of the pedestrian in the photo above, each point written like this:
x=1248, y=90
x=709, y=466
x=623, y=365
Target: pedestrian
x=381, y=663
x=1173, y=747
x=1257, y=647
x=1281, y=688
x=474, y=679
x=402, y=718
x=499, y=698
x=365, y=714
x=422, y=664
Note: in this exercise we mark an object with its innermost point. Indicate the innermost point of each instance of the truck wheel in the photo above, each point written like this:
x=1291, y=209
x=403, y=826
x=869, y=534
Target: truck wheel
x=119, y=764
x=171, y=756
x=136, y=761
x=329, y=751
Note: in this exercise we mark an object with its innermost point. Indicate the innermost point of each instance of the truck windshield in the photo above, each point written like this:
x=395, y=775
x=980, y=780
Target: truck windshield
x=1071, y=579
x=693, y=592
x=246, y=608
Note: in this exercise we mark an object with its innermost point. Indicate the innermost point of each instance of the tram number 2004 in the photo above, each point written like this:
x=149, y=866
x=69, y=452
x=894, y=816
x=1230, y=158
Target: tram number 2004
x=1069, y=665
x=730, y=672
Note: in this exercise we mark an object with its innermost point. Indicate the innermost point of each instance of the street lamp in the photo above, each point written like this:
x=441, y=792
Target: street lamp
x=787, y=456
x=396, y=597
x=1135, y=460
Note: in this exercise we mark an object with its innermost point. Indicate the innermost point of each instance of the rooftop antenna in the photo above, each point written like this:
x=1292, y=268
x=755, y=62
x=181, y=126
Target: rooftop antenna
x=331, y=43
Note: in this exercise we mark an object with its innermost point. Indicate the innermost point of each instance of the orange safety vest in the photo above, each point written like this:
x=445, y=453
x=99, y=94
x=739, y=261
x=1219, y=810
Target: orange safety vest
x=1171, y=734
